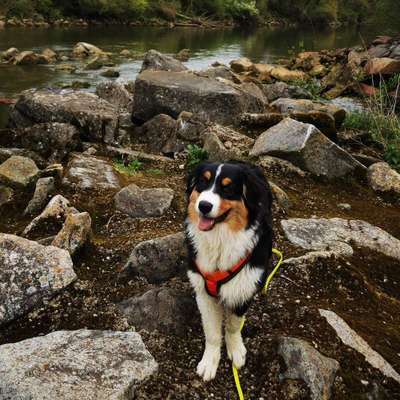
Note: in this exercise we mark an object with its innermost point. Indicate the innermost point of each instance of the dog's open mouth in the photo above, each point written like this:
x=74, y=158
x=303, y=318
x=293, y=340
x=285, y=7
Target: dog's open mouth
x=206, y=223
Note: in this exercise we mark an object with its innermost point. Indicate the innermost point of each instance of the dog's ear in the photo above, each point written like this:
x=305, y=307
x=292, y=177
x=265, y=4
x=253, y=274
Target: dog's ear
x=256, y=192
x=192, y=178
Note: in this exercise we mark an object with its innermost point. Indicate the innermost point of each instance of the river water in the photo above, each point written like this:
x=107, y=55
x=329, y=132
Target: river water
x=206, y=46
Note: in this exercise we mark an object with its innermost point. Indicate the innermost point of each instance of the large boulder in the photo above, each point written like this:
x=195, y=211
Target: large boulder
x=305, y=146
x=351, y=338
x=156, y=61
x=75, y=365
x=18, y=172
x=382, y=66
x=29, y=273
x=157, y=259
x=161, y=92
x=52, y=140
x=96, y=119
x=161, y=309
x=304, y=362
x=339, y=234
x=384, y=179
x=85, y=172
x=143, y=203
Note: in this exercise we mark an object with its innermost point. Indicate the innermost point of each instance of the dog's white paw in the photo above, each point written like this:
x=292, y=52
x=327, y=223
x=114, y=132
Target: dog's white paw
x=207, y=367
x=236, y=350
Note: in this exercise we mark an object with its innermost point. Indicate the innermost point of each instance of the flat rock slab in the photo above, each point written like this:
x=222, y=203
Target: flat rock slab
x=143, y=203
x=162, y=92
x=158, y=259
x=306, y=147
x=96, y=119
x=18, y=172
x=90, y=173
x=161, y=309
x=350, y=338
x=304, y=362
x=338, y=234
x=75, y=365
x=29, y=273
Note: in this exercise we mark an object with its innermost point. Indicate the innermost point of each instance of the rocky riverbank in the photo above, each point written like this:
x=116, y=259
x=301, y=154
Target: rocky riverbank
x=96, y=183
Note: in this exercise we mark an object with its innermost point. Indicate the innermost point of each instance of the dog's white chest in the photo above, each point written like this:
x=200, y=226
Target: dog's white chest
x=220, y=249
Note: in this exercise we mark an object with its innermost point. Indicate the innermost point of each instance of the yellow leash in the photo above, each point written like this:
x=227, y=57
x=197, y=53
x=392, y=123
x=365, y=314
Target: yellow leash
x=264, y=291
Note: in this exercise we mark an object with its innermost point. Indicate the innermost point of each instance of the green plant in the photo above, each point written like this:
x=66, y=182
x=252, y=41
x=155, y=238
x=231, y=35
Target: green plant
x=195, y=156
x=131, y=167
x=155, y=171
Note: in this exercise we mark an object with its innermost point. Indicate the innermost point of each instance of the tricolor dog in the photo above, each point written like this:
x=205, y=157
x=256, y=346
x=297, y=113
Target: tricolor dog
x=229, y=235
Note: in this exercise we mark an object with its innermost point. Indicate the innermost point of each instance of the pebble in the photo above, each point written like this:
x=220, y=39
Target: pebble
x=344, y=206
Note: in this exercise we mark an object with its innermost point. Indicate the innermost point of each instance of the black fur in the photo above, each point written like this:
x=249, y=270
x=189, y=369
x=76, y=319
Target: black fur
x=249, y=184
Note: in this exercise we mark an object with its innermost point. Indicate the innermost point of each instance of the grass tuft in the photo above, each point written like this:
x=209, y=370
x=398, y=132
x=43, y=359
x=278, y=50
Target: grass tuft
x=128, y=168
x=195, y=156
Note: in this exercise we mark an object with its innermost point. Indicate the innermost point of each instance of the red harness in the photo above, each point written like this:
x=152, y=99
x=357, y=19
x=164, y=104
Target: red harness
x=214, y=280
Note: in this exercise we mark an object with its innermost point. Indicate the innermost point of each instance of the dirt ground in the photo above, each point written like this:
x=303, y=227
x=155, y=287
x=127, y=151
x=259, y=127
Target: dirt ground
x=364, y=290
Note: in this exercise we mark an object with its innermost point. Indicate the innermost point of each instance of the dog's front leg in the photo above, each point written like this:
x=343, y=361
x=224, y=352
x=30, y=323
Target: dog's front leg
x=211, y=316
x=233, y=338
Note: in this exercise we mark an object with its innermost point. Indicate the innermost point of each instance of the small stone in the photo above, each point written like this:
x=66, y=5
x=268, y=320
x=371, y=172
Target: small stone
x=6, y=195
x=344, y=206
x=110, y=73
x=384, y=179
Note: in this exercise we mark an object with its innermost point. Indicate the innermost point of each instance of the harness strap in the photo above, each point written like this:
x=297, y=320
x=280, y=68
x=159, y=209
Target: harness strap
x=214, y=280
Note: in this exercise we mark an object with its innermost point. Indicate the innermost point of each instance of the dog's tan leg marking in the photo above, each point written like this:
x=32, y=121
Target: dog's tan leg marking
x=233, y=339
x=211, y=316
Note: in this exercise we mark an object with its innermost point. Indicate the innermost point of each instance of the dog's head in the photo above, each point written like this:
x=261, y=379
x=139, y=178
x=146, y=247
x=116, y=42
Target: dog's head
x=233, y=192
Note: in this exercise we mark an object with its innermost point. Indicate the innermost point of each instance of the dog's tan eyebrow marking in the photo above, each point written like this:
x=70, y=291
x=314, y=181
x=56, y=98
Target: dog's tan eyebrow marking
x=207, y=175
x=226, y=181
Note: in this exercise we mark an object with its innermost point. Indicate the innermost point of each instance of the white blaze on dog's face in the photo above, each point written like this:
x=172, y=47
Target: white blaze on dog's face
x=217, y=196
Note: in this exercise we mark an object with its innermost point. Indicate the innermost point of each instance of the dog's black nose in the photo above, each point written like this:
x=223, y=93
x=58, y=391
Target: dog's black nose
x=205, y=207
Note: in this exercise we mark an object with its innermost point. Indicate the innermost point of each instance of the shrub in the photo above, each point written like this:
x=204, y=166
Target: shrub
x=128, y=167
x=195, y=156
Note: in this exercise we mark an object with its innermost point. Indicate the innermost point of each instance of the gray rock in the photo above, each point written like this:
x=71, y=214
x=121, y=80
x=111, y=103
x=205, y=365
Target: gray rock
x=161, y=134
x=161, y=92
x=29, y=58
x=338, y=234
x=96, y=119
x=52, y=141
x=277, y=90
x=261, y=121
x=75, y=365
x=90, y=173
x=384, y=179
x=75, y=232
x=55, y=213
x=241, y=65
x=18, y=172
x=110, y=73
x=158, y=259
x=143, y=203
x=221, y=71
x=155, y=61
x=162, y=309
x=29, y=273
x=350, y=338
x=116, y=94
x=111, y=151
x=306, y=147
x=45, y=187
x=223, y=143
x=304, y=362
x=190, y=127
x=6, y=195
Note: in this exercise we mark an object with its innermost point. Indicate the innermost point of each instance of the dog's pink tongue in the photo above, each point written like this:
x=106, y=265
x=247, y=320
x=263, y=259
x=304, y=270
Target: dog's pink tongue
x=205, y=224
